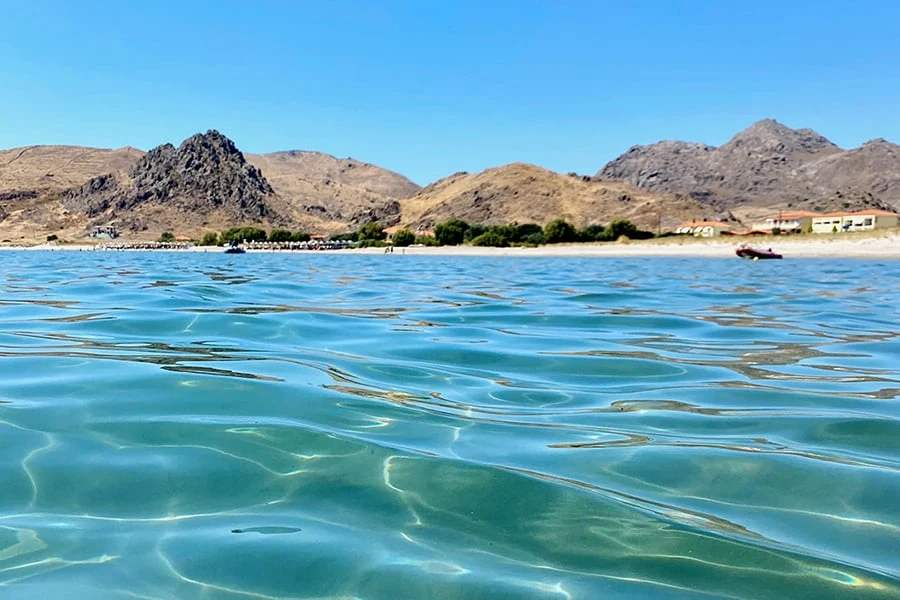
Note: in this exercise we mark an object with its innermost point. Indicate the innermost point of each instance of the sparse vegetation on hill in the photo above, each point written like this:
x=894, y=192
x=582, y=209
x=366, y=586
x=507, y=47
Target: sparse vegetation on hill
x=207, y=184
x=767, y=165
x=529, y=194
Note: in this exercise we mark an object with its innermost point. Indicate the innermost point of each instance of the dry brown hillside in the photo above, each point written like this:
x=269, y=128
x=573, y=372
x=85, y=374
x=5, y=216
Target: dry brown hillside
x=57, y=168
x=526, y=193
x=33, y=180
x=312, y=191
x=336, y=192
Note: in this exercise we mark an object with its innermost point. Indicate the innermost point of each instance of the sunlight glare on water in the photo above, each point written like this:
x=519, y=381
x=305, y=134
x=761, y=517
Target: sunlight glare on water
x=196, y=426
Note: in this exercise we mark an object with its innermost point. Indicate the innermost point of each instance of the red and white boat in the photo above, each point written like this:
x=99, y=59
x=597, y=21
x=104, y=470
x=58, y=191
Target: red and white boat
x=745, y=251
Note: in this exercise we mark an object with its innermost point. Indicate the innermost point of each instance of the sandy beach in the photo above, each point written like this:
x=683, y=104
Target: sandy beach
x=839, y=246
x=885, y=245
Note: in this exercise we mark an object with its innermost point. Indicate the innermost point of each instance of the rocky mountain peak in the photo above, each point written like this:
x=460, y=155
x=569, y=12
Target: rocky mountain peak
x=769, y=135
x=206, y=173
x=880, y=143
x=766, y=164
x=651, y=167
x=212, y=144
x=767, y=127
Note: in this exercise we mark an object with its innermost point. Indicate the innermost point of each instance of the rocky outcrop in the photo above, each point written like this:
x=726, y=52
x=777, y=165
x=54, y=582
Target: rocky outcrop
x=766, y=164
x=387, y=214
x=18, y=195
x=870, y=170
x=661, y=167
x=207, y=174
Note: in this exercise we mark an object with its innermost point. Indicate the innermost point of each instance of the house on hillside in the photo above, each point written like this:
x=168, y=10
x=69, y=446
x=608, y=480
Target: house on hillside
x=798, y=221
x=864, y=220
x=706, y=229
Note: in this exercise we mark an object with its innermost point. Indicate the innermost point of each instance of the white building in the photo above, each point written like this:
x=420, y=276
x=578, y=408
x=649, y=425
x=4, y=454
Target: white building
x=864, y=220
x=705, y=229
x=798, y=221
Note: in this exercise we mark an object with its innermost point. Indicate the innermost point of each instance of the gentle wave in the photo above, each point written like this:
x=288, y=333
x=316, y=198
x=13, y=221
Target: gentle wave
x=270, y=426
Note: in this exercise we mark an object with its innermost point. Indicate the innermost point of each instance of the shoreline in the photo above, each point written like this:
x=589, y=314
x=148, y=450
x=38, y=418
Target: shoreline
x=882, y=245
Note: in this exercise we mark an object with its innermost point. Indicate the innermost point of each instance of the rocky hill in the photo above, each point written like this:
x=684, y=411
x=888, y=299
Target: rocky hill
x=766, y=166
x=528, y=194
x=207, y=184
x=338, y=192
x=872, y=169
x=204, y=183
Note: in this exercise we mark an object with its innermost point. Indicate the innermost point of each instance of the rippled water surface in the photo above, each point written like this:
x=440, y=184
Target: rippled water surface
x=198, y=426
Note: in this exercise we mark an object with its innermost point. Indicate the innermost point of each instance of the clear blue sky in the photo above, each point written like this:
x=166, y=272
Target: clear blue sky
x=427, y=87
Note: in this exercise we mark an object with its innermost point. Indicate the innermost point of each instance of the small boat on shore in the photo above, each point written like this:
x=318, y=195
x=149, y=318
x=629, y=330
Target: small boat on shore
x=744, y=251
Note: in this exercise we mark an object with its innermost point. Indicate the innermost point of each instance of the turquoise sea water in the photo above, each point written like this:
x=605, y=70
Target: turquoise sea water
x=199, y=426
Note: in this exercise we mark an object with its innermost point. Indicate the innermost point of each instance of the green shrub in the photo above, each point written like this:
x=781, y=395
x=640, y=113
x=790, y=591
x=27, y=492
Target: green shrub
x=280, y=235
x=559, y=232
x=473, y=231
x=404, y=237
x=451, y=232
x=371, y=231
x=166, y=237
x=242, y=234
x=491, y=238
x=210, y=239
x=509, y=233
x=52, y=237
x=593, y=233
x=529, y=233
x=642, y=234
x=300, y=236
x=618, y=228
x=624, y=227
x=426, y=240
x=533, y=239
